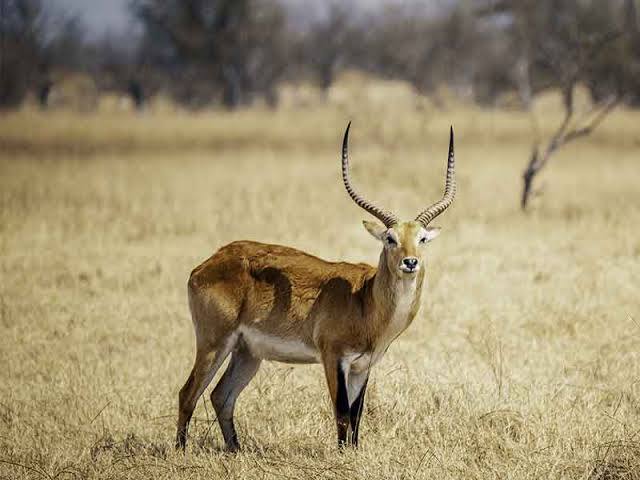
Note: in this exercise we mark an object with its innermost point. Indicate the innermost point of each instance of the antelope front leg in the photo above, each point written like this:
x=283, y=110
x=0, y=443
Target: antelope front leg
x=357, y=388
x=337, y=383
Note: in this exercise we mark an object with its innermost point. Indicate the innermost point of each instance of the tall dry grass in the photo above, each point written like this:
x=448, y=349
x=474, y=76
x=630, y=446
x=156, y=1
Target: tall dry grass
x=523, y=362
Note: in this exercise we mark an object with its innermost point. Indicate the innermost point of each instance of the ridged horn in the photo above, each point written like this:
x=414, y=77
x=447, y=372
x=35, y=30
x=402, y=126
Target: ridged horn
x=449, y=190
x=387, y=218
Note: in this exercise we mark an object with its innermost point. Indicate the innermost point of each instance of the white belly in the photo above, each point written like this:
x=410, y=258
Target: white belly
x=270, y=347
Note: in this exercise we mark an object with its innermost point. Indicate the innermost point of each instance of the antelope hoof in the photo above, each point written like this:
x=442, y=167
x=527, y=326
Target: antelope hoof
x=232, y=448
x=181, y=443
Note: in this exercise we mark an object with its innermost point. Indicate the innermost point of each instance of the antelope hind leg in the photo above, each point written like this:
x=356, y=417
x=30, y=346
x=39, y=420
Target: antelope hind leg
x=207, y=363
x=242, y=368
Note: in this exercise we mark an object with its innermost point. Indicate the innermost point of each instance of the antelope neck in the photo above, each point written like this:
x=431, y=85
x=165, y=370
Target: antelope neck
x=393, y=296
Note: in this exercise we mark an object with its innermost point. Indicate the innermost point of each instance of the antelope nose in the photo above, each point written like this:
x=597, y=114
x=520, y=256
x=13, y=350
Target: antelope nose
x=410, y=262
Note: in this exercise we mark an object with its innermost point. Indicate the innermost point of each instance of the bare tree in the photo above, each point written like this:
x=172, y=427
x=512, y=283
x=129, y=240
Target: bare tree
x=569, y=56
x=562, y=136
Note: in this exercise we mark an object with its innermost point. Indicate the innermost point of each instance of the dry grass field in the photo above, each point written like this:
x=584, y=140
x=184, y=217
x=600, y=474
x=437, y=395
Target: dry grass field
x=524, y=361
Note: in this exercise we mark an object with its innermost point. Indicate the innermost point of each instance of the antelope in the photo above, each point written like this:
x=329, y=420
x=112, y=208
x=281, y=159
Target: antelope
x=257, y=302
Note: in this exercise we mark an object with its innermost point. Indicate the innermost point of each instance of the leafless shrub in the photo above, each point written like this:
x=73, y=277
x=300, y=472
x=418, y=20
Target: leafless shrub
x=563, y=135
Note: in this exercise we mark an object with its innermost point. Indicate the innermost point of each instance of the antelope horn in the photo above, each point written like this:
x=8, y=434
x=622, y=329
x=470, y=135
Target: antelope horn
x=387, y=218
x=449, y=190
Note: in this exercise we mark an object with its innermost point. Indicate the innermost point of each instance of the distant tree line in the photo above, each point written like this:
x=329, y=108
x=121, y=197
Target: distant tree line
x=33, y=41
x=232, y=52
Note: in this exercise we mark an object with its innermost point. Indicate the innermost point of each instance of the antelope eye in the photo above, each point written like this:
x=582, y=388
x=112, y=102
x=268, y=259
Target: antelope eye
x=391, y=240
x=423, y=240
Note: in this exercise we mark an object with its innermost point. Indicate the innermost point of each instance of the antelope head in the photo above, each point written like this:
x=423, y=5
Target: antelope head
x=403, y=241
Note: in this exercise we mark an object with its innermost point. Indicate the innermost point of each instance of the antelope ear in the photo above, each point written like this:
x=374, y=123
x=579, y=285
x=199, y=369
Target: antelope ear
x=375, y=229
x=432, y=232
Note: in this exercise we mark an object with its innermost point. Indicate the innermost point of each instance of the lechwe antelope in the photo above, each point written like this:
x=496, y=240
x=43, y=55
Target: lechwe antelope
x=257, y=301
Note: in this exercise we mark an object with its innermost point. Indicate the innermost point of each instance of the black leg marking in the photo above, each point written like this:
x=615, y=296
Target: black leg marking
x=356, y=413
x=342, y=407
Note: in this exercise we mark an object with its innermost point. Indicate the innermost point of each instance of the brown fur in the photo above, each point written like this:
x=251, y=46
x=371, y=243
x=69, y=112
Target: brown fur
x=335, y=309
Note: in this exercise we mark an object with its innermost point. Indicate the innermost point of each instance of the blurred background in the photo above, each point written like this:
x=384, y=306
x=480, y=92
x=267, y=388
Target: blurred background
x=235, y=53
x=139, y=136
